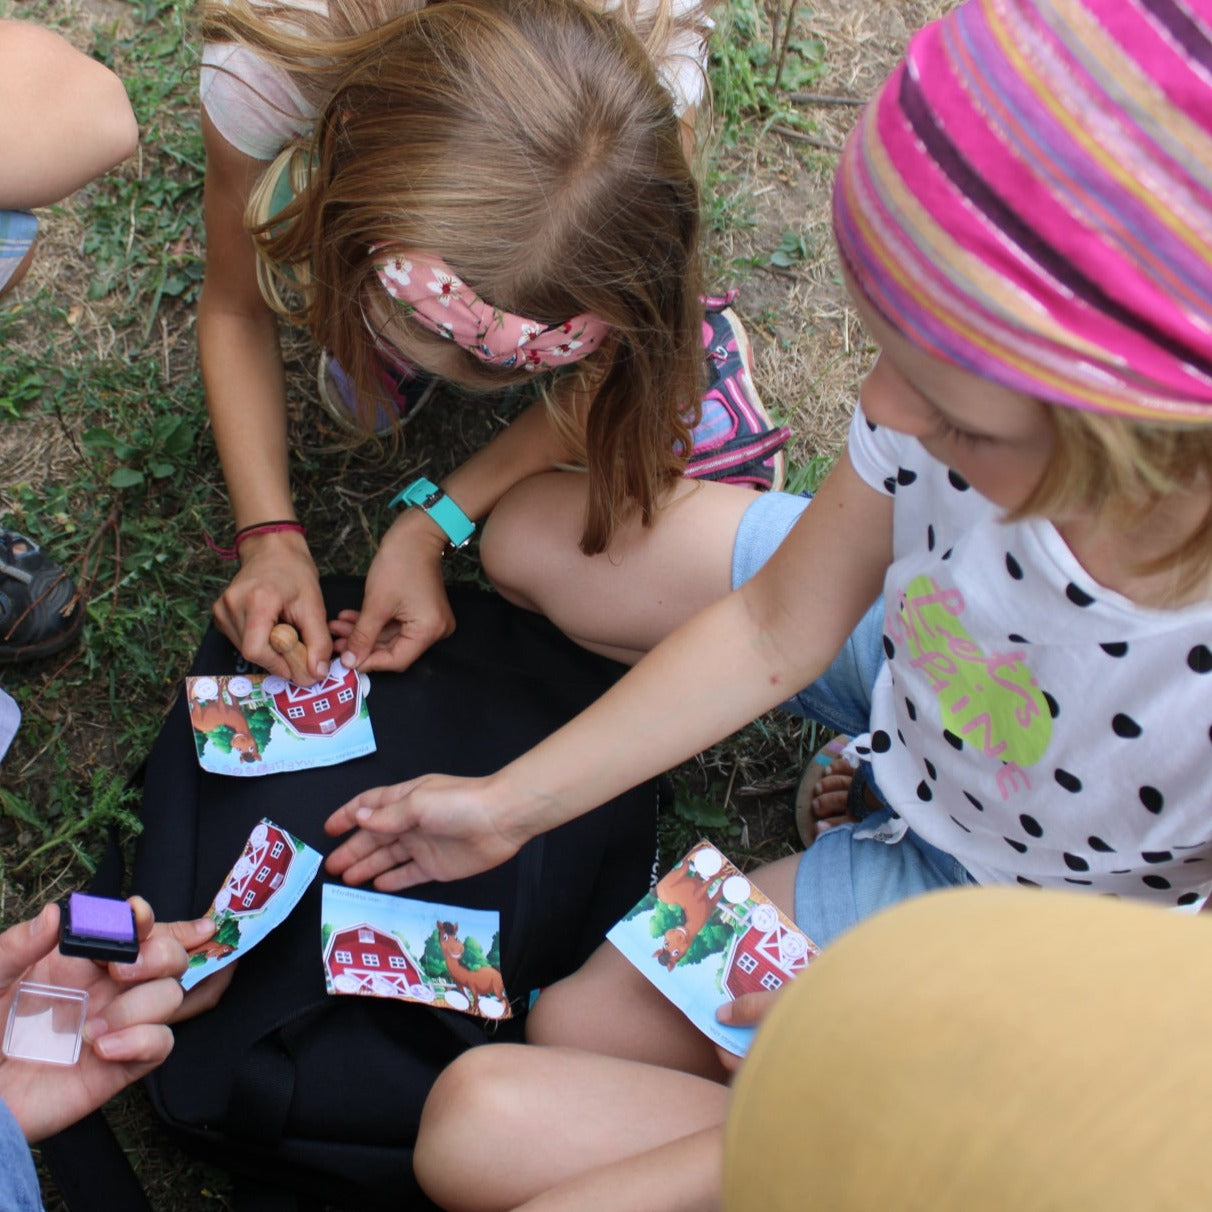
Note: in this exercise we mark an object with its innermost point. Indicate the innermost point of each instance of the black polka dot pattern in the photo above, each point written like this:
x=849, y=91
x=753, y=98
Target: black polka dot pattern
x=910, y=709
x=1157, y=856
x=956, y=742
x=1013, y=567
x=957, y=481
x=1125, y=726
x=1115, y=650
x=1053, y=705
x=974, y=801
x=1015, y=844
x=1077, y=595
x=1152, y=799
x=1075, y=862
x=929, y=538
x=889, y=648
x=1199, y=659
x=923, y=791
x=1031, y=825
x=1070, y=782
x=1155, y=881
x=905, y=477
x=1097, y=843
x=930, y=769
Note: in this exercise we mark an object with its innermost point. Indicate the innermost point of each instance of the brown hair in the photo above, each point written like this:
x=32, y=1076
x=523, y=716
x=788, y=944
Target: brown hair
x=530, y=145
x=1121, y=470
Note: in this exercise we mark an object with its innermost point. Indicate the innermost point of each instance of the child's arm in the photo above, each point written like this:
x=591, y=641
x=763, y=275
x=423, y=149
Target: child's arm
x=734, y=660
x=246, y=394
x=405, y=608
x=64, y=118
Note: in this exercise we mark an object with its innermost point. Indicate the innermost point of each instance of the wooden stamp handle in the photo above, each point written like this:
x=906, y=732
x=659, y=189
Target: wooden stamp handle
x=284, y=640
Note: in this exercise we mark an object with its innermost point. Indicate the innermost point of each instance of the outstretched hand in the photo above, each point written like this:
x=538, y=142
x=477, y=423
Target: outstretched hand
x=129, y=1009
x=435, y=827
x=405, y=608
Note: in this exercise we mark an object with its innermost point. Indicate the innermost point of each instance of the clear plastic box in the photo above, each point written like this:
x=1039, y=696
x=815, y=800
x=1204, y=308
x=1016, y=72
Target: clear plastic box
x=46, y=1023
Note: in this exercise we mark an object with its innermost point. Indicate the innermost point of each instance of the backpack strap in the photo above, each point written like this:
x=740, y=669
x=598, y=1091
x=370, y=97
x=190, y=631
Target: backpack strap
x=91, y=1169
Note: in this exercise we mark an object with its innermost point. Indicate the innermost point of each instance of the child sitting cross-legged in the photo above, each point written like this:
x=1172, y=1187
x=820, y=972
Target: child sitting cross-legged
x=1024, y=219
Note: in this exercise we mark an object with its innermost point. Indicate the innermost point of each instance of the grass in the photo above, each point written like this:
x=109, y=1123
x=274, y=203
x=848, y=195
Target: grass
x=106, y=456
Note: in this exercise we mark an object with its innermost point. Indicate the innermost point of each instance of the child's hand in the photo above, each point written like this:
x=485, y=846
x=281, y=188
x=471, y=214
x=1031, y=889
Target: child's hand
x=748, y=1010
x=277, y=582
x=433, y=828
x=129, y=1007
x=405, y=608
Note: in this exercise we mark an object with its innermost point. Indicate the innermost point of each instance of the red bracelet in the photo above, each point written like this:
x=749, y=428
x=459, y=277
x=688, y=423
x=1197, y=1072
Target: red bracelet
x=233, y=552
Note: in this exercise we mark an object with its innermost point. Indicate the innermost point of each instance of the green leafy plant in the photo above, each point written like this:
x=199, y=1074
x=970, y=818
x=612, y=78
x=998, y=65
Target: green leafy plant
x=153, y=452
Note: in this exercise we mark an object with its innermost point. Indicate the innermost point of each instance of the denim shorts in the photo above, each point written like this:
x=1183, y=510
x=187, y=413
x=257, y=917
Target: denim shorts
x=17, y=231
x=847, y=874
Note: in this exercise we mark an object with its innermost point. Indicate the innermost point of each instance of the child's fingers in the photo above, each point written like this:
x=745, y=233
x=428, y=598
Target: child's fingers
x=204, y=994
x=151, y=1001
x=146, y=1044
x=26, y=943
x=747, y=1010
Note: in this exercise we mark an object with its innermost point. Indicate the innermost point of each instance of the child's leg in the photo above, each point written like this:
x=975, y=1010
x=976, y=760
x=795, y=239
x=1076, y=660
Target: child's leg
x=505, y=1124
x=626, y=600
x=608, y=1006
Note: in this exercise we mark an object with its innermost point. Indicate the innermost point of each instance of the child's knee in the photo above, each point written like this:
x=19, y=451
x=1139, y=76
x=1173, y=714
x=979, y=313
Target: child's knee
x=524, y=538
x=474, y=1093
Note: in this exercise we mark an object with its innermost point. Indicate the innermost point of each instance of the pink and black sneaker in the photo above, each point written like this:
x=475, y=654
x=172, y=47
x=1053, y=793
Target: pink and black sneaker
x=736, y=440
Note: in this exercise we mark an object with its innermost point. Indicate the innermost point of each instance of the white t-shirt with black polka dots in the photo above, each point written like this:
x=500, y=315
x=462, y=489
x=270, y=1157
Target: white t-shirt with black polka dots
x=1040, y=728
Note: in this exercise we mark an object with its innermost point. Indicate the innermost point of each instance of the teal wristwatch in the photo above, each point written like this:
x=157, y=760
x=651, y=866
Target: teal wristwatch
x=426, y=495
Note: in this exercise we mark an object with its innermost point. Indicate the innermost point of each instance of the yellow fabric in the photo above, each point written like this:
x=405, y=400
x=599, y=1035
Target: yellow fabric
x=981, y=1050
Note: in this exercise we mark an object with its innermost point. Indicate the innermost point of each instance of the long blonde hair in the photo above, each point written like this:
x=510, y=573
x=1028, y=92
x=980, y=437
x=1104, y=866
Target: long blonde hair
x=530, y=145
x=1121, y=470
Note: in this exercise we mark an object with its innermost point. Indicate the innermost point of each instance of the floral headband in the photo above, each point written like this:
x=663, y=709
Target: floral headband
x=431, y=293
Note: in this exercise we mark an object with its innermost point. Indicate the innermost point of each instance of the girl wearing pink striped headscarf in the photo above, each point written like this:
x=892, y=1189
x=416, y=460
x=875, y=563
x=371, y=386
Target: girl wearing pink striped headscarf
x=1024, y=220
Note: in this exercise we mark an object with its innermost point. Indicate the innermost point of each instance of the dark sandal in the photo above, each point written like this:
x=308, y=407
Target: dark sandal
x=40, y=608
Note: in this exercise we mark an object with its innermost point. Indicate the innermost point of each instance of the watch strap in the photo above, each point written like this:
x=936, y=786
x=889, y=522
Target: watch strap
x=425, y=494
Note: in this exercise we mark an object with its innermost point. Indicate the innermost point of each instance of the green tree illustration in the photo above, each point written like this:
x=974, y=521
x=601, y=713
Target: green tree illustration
x=494, y=952
x=433, y=962
x=473, y=954
x=666, y=917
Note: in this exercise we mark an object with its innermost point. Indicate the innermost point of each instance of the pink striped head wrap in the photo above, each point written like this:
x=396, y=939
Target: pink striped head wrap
x=1029, y=198
x=433, y=295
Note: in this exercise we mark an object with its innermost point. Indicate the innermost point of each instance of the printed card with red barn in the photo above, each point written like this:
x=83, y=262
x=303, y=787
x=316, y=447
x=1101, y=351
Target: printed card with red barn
x=253, y=724
x=375, y=945
x=705, y=935
x=270, y=876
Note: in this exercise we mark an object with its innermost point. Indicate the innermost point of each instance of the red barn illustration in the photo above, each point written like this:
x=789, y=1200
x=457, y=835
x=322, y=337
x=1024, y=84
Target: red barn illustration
x=364, y=959
x=766, y=956
x=259, y=871
x=322, y=709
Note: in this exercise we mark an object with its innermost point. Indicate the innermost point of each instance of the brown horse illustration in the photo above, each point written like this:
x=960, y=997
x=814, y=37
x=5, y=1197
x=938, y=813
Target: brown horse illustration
x=477, y=983
x=218, y=713
x=689, y=892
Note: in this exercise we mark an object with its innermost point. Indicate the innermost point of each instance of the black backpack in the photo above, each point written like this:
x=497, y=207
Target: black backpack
x=323, y=1094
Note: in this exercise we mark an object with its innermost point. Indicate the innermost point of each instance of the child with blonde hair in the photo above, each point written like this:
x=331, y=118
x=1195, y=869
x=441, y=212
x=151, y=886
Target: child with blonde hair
x=487, y=193
x=1024, y=220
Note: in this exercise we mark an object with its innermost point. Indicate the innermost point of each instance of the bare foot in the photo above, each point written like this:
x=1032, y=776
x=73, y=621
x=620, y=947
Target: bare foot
x=821, y=801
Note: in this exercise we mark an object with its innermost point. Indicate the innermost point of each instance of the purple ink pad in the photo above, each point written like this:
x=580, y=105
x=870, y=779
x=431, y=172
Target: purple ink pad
x=98, y=928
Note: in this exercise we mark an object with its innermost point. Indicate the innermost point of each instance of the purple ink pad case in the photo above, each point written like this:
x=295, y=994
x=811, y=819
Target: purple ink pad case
x=98, y=928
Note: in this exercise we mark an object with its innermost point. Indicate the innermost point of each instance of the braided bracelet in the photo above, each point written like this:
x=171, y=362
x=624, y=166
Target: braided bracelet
x=245, y=532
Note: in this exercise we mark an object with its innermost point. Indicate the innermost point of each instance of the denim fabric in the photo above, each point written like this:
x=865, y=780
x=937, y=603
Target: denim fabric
x=841, y=697
x=846, y=876
x=18, y=1179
